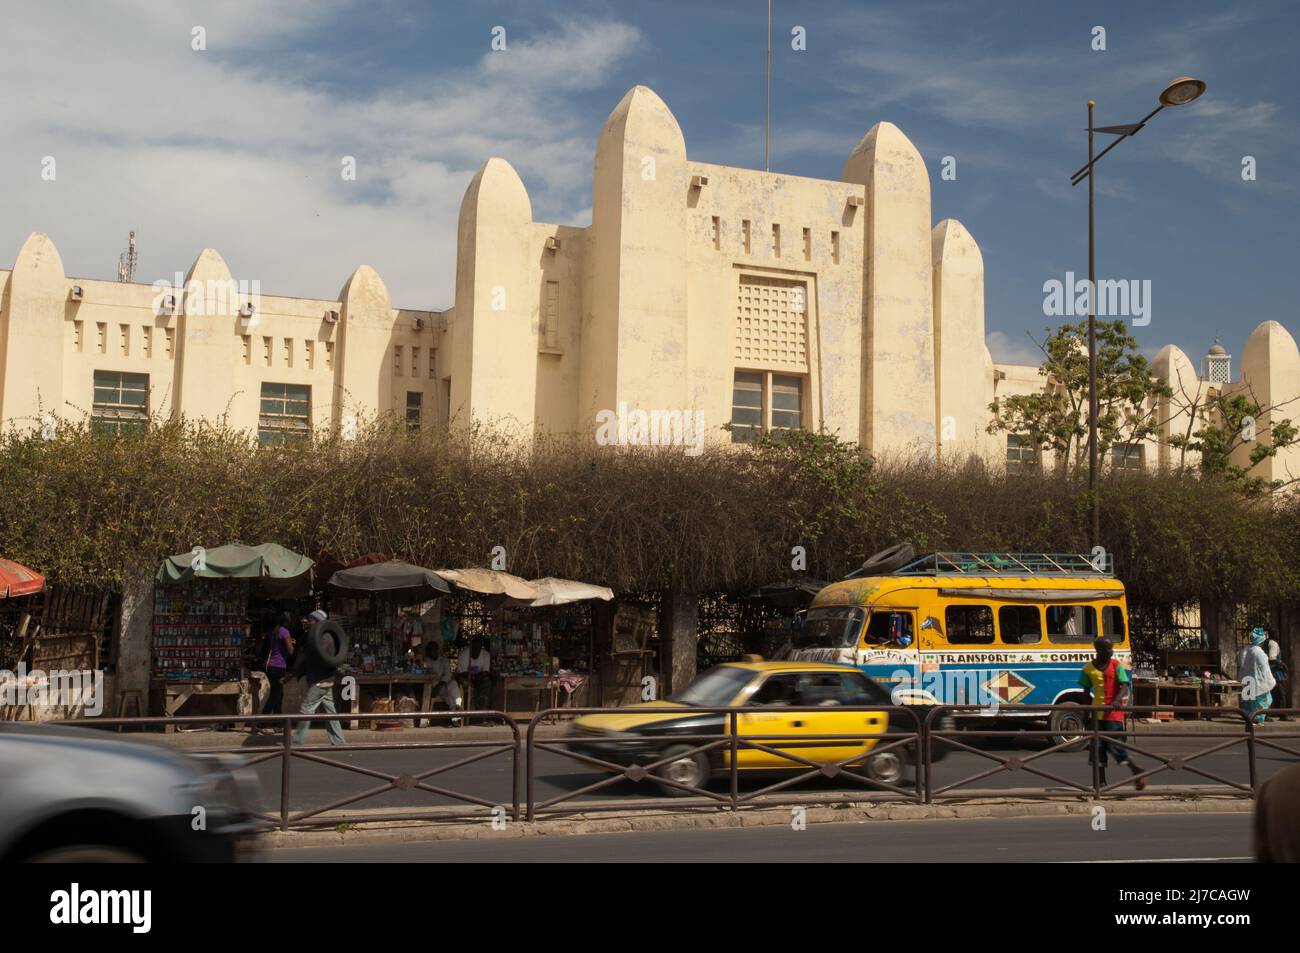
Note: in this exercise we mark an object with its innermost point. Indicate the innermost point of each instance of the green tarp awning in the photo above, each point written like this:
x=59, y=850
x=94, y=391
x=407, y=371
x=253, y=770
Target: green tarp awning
x=235, y=561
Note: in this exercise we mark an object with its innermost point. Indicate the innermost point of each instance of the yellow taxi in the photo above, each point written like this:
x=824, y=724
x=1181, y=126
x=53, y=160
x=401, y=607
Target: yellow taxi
x=770, y=694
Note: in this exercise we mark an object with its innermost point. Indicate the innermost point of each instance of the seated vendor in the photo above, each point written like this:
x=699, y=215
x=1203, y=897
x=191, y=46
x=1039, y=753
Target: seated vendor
x=473, y=668
x=440, y=668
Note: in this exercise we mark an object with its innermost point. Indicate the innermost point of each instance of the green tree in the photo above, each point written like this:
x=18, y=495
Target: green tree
x=1056, y=418
x=1228, y=423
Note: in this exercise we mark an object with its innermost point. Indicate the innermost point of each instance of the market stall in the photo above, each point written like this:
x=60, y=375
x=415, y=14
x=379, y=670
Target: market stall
x=205, y=601
x=539, y=637
x=384, y=608
x=19, y=587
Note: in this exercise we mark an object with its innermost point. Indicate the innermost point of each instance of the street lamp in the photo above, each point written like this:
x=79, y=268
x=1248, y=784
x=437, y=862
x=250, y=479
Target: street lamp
x=1181, y=91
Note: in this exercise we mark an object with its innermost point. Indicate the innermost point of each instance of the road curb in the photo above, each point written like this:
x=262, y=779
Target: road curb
x=606, y=822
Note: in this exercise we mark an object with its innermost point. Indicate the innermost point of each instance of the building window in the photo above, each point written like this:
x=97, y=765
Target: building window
x=414, y=410
x=776, y=241
x=121, y=403
x=744, y=235
x=763, y=402
x=747, y=407
x=551, y=327
x=807, y=244
x=787, y=402
x=397, y=360
x=285, y=413
x=1127, y=456
x=1022, y=455
x=835, y=247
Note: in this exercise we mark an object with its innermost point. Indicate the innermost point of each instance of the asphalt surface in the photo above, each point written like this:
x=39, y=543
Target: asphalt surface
x=1133, y=838
x=314, y=785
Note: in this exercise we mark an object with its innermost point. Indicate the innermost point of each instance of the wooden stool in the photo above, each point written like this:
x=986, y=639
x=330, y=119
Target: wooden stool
x=129, y=695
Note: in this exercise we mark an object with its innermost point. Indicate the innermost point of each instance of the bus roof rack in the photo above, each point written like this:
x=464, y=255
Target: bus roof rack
x=1008, y=564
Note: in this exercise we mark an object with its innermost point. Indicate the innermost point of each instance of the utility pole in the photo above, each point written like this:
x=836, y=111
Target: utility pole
x=767, y=112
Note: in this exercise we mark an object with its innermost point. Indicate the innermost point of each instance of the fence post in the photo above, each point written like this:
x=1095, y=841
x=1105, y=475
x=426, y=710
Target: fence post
x=285, y=754
x=735, y=771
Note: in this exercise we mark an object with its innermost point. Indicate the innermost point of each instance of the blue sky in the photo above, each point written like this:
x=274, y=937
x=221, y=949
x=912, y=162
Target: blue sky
x=238, y=146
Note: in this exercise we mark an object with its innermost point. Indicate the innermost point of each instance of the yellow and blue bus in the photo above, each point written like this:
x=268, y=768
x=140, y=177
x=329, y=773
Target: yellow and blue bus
x=998, y=630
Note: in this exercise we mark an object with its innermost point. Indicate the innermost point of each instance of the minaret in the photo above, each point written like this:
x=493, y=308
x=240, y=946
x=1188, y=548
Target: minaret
x=1217, y=368
x=634, y=323
x=898, y=409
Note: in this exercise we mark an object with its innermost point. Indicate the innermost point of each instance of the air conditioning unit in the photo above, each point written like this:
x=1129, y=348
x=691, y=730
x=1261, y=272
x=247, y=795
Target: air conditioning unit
x=699, y=181
x=552, y=243
x=75, y=294
x=856, y=201
x=247, y=310
x=167, y=305
x=331, y=317
x=419, y=324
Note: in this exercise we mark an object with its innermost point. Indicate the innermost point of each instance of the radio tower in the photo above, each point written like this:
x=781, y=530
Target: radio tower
x=126, y=261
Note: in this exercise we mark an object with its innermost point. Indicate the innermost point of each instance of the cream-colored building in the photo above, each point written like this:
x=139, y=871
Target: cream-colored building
x=700, y=296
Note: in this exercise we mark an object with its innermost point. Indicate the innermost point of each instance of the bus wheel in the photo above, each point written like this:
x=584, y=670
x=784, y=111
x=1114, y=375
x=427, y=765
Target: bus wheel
x=1068, y=728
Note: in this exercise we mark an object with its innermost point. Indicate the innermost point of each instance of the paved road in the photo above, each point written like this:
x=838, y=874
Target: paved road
x=314, y=785
x=1128, y=837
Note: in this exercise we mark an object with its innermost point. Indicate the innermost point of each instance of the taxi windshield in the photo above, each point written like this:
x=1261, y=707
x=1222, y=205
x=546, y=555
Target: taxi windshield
x=830, y=627
x=716, y=688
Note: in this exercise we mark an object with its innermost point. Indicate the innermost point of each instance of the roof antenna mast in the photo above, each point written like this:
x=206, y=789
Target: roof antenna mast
x=126, y=261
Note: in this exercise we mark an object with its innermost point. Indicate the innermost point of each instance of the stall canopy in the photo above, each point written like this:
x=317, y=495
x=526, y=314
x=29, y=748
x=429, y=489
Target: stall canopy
x=17, y=580
x=393, y=577
x=491, y=582
x=286, y=572
x=558, y=592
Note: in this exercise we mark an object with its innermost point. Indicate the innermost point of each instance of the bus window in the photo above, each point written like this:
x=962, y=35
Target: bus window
x=969, y=625
x=889, y=628
x=1020, y=625
x=830, y=627
x=1071, y=624
x=1112, y=624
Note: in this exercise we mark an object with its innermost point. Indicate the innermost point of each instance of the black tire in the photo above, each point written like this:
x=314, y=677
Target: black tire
x=887, y=560
x=1069, y=726
x=327, y=644
x=686, y=766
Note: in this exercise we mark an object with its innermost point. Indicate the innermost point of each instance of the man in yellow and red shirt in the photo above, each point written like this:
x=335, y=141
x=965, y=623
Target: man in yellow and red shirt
x=1109, y=683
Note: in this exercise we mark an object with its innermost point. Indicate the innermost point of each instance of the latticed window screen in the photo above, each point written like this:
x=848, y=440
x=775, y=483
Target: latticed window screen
x=121, y=402
x=772, y=323
x=285, y=413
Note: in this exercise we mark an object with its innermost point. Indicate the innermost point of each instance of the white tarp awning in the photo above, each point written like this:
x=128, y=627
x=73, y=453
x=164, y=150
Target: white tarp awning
x=491, y=582
x=557, y=592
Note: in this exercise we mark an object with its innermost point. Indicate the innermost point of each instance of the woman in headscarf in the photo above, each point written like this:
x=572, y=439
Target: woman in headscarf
x=1257, y=680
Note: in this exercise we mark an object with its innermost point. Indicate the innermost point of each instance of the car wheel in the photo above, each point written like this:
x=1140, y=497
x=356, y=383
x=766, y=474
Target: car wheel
x=885, y=767
x=1068, y=728
x=87, y=854
x=685, y=766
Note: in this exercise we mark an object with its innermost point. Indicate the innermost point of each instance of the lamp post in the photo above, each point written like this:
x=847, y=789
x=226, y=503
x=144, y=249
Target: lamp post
x=1178, y=93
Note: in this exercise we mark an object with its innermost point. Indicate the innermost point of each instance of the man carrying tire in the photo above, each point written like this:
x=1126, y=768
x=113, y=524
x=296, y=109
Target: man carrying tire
x=324, y=649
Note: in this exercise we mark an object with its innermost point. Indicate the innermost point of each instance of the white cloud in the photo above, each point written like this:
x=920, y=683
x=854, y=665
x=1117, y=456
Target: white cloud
x=1013, y=350
x=198, y=149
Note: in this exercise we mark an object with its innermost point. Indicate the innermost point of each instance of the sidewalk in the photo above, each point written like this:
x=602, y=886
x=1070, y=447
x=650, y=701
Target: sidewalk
x=578, y=822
